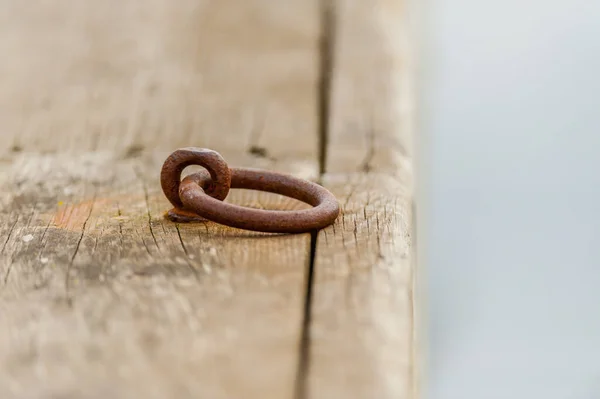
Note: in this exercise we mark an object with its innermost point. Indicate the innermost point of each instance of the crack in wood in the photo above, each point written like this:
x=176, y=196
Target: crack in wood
x=365, y=165
x=149, y=213
x=72, y=261
x=9, y=234
x=187, y=255
x=327, y=27
x=326, y=65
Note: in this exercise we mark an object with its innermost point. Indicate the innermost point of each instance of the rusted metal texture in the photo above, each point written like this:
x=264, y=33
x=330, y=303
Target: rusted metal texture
x=200, y=195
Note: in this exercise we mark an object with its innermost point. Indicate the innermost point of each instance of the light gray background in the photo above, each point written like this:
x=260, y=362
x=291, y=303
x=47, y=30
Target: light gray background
x=508, y=199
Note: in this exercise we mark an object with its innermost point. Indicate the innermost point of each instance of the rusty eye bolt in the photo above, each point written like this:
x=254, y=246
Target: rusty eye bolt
x=200, y=195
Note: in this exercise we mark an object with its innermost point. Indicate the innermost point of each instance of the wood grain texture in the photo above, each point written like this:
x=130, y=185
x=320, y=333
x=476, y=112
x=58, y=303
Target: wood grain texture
x=100, y=296
x=371, y=115
x=231, y=75
x=361, y=330
x=361, y=322
x=100, y=293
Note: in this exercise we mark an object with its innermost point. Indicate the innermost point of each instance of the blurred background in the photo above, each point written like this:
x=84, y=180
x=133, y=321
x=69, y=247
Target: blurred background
x=508, y=197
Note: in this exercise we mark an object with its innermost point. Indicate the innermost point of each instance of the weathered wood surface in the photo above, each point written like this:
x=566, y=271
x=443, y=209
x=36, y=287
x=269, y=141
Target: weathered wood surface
x=100, y=296
x=361, y=321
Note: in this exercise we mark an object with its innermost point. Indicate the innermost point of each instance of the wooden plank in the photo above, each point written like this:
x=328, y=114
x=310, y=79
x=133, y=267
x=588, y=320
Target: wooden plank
x=371, y=115
x=360, y=342
x=99, y=295
x=230, y=75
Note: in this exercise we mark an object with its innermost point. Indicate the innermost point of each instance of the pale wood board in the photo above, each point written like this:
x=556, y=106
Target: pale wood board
x=99, y=295
x=227, y=74
x=361, y=319
x=361, y=327
x=371, y=112
x=102, y=297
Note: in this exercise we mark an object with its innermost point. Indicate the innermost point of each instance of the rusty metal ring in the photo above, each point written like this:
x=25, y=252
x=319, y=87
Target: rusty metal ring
x=170, y=175
x=194, y=198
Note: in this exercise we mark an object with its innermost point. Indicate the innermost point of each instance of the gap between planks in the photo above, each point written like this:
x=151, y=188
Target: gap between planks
x=326, y=65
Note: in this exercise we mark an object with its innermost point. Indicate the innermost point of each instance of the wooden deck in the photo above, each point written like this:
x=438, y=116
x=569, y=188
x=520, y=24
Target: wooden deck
x=101, y=297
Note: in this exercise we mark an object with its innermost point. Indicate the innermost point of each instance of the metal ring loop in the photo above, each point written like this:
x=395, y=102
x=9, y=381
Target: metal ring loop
x=201, y=195
x=324, y=212
x=170, y=175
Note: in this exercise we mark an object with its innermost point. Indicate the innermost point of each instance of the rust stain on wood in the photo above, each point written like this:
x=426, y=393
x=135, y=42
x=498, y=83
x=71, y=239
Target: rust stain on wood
x=72, y=216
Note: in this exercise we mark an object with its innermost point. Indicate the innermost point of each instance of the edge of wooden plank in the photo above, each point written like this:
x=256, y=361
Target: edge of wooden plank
x=362, y=319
